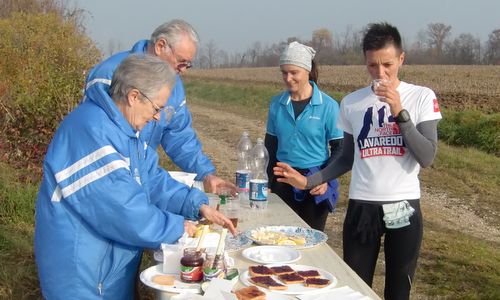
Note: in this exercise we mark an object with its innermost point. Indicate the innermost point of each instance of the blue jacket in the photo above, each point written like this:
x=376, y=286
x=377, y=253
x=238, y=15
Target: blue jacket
x=102, y=200
x=331, y=195
x=177, y=138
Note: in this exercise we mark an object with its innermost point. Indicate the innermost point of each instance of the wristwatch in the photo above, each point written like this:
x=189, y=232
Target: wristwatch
x=403, y=116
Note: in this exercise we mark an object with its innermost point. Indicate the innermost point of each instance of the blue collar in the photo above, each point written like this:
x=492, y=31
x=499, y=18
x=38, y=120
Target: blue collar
x=316, y=99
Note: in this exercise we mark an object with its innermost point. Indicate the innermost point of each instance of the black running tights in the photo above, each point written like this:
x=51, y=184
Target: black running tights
x=362, y=235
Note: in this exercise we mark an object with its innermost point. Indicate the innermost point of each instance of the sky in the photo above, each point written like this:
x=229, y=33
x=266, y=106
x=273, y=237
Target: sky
x=235, y=25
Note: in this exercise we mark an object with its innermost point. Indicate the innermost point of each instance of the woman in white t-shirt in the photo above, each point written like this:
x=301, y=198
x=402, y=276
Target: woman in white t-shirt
x=390, y=131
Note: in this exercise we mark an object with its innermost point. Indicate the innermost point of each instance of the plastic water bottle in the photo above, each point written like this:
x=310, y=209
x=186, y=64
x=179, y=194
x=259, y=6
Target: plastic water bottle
x=259, y=180
x=243, y=169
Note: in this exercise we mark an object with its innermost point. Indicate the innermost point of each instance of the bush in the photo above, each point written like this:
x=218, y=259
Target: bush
x=471, y=129
x=43, y=59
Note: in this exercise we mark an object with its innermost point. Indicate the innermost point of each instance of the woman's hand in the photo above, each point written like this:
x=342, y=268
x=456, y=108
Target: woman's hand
x=213, y=184
x=319, y=189
x=189, y=228
x=213, y=215
x=289, y=175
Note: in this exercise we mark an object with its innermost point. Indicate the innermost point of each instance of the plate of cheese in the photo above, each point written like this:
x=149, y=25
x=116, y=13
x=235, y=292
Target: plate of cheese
x=290, y=236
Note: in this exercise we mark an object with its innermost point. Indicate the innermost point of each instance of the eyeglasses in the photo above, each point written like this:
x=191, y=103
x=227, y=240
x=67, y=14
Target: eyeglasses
x=169, y=110
x=155, y=107
x=181, y=63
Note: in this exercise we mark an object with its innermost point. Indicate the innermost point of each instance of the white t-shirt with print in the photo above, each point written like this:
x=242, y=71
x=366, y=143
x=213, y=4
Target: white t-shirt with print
x=383, y=168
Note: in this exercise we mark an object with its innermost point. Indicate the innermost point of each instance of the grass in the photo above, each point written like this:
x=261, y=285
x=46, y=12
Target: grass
x=453, y=265
x=18, y=276
x=471, y=128
x=459, y=87
x=460, y=172
x=468, y=174
x=246, y=99
x=254, y=98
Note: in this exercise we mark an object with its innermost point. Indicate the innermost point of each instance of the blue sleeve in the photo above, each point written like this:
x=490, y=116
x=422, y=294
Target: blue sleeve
x=179, y=139
x=170, y=195
x=117, y=208
x=106, y=197
x=331, y=126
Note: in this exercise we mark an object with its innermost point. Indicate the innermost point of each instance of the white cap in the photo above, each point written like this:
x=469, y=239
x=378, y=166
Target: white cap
x=298, y=54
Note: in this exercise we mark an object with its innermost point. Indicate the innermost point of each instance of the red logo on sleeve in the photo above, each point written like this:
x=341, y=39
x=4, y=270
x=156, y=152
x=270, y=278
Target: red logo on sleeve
x=436, y=105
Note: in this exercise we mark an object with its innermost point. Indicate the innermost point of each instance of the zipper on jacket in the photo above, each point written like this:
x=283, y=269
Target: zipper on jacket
x=137, y=175
x=100, y=285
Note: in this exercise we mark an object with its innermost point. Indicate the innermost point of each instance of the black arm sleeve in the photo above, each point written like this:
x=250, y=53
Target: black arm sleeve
x=337, y=167
x=335, y=149
x=421, y=140
x=271, y=143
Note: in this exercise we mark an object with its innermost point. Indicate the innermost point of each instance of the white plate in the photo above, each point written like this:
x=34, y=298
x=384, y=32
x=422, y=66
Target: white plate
x=178, y=287
x=313, y=237
x=271, y=254
x=297, y=288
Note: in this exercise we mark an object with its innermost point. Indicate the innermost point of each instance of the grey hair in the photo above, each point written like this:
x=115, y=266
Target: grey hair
x=173, y=31
x=145, y=72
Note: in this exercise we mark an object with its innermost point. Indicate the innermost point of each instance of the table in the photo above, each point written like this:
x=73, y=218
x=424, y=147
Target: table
x=321, y=256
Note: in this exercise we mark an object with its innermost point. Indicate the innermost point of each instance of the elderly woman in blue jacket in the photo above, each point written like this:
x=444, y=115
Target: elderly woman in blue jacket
x=103, y=197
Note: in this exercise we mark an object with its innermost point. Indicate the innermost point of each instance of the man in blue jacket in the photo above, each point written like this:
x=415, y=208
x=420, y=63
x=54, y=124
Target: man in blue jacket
x=174, y=42
x=103, y=197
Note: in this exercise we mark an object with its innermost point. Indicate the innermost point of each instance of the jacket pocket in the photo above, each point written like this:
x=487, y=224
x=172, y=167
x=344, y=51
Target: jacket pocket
x=117, y=270
x=105, y=268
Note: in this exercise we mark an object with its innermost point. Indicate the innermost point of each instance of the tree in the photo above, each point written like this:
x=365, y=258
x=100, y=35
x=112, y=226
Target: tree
x=31, y=7
x=223, y=58
x=464, y=50
x=348, y=47
x=271, y=54
x=322, y=42
x=322, y=39
x=437, y=34
x=113, y=47
x=418, y=51
x=209, y=55
x=254, y=53
x=492, y=54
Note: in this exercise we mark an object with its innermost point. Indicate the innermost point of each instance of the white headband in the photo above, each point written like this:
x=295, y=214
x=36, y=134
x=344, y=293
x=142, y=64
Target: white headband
x=297, y=54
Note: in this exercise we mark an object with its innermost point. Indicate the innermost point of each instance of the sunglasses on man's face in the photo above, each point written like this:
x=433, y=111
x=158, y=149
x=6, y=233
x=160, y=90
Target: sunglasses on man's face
x=180, y=62
x=183, y=65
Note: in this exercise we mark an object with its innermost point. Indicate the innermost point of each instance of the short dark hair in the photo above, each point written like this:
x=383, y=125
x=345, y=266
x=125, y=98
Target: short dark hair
x=380, y=35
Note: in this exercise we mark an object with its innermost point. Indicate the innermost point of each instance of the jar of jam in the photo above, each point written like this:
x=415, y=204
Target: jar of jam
x=211, y=270
x=191, y=266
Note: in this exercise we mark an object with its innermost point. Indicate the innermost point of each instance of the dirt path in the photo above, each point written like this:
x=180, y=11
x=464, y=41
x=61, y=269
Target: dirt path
x=219, y=132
